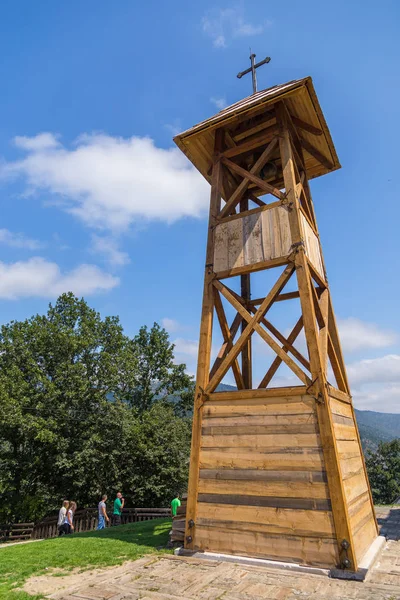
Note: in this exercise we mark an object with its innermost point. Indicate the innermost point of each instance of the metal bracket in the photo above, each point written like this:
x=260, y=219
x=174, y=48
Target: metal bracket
x=318, y=397
x=202, y=395
x=346, y=562
x=298, y=245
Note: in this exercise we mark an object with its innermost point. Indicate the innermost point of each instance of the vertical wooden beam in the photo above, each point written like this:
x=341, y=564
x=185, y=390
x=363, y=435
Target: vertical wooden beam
x=323, y=332
x=328, y=439
x=205, y=340
x=245, y=291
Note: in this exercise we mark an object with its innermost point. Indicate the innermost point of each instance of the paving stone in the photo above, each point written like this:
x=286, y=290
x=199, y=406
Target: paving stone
x=186, y=578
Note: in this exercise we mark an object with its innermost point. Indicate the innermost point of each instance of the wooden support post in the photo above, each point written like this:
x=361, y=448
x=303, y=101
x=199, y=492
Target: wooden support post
x=203, y=365
x=339, y=505
x=246, y=295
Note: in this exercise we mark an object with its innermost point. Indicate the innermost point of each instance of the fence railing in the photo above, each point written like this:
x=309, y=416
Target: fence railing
x=16, y=532
x=86, y=519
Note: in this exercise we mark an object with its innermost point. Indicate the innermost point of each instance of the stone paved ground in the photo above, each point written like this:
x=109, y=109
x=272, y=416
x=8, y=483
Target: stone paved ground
x=170, y=578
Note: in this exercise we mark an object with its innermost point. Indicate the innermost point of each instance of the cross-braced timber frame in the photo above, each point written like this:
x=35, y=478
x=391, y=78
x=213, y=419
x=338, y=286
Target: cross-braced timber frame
x=240, y=190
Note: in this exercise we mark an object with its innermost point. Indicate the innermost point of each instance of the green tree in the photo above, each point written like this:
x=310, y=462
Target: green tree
x=68, y=424
x=158, y=377
x=383, y=468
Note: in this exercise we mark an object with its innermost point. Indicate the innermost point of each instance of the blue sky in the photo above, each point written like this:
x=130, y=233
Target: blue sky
x=95, y=199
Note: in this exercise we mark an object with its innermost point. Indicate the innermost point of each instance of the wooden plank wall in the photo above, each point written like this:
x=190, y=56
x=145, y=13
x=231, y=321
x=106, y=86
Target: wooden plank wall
x=361, y=512
x=260, y=236
x=313, y=248
x=262, y=486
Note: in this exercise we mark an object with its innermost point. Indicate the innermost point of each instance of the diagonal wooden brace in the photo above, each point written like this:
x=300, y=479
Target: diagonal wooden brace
x=258, y=165
x=249, y=330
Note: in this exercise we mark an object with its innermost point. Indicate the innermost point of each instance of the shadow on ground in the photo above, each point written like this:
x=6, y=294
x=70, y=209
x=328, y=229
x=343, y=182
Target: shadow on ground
x=389, y=524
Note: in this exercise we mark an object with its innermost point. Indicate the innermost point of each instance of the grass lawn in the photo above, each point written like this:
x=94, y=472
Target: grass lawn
x=109, y=547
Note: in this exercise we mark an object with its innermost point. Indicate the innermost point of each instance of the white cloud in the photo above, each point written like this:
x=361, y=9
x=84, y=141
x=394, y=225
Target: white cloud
x=359, y=335
x=170, y=325
x=375, y=383
x=220, y=103
x=383, y=398
x=18, y=240
x=222, y=25
x=188, y=348
x=108, y=247
x=385, y=369
x=110, y=182
x=43, y=141
x=38, y=277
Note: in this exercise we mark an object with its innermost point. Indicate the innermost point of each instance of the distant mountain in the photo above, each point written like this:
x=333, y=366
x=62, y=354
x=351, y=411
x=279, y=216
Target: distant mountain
x=374, y=426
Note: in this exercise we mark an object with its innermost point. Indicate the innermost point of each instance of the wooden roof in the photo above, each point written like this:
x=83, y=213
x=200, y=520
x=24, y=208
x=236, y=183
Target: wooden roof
x=302, y=102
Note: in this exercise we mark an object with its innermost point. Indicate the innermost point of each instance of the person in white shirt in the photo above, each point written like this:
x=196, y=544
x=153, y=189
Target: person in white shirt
x=68, y=525
x=61, y=517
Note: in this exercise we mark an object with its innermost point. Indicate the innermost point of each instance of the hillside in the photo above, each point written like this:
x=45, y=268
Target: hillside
x=374, y=426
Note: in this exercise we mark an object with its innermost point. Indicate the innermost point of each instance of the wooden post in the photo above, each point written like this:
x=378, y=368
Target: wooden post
x=246, y=295
x=335, y=480
x=203, y=365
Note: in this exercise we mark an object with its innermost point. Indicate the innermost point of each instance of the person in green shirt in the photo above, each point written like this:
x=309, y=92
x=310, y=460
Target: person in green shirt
x=118, y=506
x=175, y=503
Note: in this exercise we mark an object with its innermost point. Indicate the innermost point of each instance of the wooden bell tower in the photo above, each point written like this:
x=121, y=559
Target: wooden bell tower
x=275, y=472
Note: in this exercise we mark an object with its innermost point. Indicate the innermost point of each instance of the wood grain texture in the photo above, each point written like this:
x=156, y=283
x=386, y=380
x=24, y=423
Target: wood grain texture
x=273, y=489
x=313, y=249
x=287, y=519
x=290, y=459
x=260, y=236
x=312, y=551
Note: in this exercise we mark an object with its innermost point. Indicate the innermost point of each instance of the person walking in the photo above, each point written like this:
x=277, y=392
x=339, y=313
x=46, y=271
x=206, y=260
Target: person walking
x=69, y=519
x=61, y=517
x=119, y=503
x=103, y=517
x=175, y=503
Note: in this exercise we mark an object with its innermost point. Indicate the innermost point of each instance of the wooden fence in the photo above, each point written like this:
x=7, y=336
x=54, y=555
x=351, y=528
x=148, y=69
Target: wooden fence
x=86, y=519
x=16, y=532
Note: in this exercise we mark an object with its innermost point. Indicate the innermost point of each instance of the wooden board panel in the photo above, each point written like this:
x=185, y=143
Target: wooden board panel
x=261, y=441
x=351, y=466
x=269, y=528
x=313, y=249
x=264, y=475
x=259, y=407
x=364, y=537
x=345, y=432
x=252, y=239
x=264, y=488
x=285, y=519
x=296, y=419
x=252, y=430
x=341, y=408
x=354, y=486
x=276, y=502
x=313, y=551
x=363, y=514
x=251, y=458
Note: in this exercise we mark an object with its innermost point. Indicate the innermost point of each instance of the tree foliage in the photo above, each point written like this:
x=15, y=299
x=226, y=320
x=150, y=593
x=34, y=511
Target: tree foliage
x=86, y=410
x=384, y=472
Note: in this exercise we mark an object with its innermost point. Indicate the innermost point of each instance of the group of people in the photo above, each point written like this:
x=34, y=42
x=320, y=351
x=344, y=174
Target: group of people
x=65, y=522
x=119, y=504
x=66, y=514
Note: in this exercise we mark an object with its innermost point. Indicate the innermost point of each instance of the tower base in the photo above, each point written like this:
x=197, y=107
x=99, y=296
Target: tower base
x=263, y=488
x=363, y=568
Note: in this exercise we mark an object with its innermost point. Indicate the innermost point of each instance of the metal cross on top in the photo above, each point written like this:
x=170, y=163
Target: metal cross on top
x=252, y=69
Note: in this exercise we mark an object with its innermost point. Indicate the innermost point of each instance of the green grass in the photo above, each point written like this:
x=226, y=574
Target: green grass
x=104, y=548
